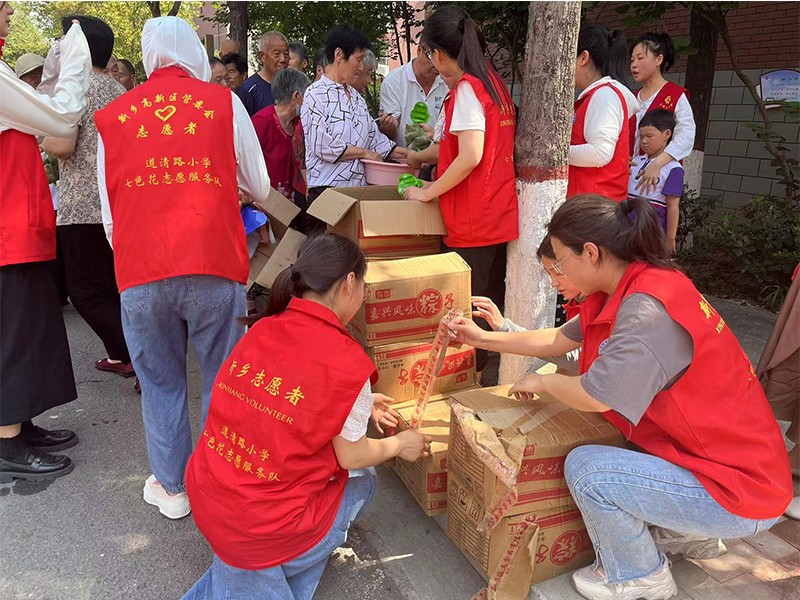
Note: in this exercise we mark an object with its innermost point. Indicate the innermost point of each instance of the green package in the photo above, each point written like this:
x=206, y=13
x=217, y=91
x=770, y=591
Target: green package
x=406, y=181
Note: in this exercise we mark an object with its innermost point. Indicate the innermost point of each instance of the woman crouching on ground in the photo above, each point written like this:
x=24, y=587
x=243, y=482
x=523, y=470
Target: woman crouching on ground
x=660, y=364
x=268, y=481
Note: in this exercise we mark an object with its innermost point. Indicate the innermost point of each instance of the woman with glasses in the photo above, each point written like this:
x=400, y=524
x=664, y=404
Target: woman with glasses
x=659, y=363
x=475, y=174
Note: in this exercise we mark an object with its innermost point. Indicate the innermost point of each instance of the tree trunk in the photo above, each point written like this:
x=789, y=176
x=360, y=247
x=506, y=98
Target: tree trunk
x=700, y=83
x=238, y=24
x=155, y=9
x=542, y=153
x=173, y=12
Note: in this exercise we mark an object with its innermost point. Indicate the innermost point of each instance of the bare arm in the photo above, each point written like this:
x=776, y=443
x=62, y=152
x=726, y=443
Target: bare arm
x=470, y=153
x=539, y=342
x=566, y=388
x=367, y=452
x=58, y=147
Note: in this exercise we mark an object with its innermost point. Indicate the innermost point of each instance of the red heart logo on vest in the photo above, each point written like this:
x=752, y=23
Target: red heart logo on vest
x=165, y=113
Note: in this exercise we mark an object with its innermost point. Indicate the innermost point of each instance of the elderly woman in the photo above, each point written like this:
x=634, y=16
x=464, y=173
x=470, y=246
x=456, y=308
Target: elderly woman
x=339, y=131
x=34, y=353
x=362, y=78
x=280, y=134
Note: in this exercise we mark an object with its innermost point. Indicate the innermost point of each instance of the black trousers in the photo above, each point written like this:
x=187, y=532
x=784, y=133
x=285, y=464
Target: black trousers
x=35, y=365
x=488, y=264
x=92, y=285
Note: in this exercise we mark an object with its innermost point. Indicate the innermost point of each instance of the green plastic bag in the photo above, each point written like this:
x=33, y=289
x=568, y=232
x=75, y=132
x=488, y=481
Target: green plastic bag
x=406, y=181
x=415, y=137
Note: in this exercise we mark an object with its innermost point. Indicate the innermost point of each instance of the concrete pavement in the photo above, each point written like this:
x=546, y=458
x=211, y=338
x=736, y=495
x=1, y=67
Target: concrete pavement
x=89, y=535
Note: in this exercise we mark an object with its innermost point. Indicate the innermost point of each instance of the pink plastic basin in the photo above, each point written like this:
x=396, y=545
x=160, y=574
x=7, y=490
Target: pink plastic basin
x=382, y=173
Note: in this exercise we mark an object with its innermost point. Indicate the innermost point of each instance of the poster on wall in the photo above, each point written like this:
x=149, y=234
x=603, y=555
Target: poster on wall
x=783, y=84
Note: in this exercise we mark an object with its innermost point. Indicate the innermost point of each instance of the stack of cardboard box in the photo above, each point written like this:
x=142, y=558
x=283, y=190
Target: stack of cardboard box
x=410, y=287
x=506, y=484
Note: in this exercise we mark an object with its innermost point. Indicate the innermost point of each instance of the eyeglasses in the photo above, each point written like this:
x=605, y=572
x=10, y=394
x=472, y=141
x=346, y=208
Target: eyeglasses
x=428, y=53
x=556, y=266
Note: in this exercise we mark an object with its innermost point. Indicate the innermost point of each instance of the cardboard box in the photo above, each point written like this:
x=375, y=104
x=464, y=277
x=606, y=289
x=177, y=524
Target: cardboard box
x=532, y=439
x=271, y=259
x=554, y=541
x=401, y=367
x=406, y=299
x=381, y=221
x=427, y=479
x=278, y=207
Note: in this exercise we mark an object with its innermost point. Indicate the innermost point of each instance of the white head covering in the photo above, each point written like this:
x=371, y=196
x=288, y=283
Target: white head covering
x=171, y=42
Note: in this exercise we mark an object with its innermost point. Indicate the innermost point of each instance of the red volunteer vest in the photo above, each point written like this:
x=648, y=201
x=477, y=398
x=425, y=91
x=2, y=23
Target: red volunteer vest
x=666, y=99
x=482, y=210
x=171, y=180
x=715, y=421
x=610, y=180
x=263, y=481
x=27, y=219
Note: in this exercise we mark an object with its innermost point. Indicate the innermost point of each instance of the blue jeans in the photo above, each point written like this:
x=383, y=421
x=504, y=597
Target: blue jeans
x=297, y=579
x=620, y=492
x=158, y=319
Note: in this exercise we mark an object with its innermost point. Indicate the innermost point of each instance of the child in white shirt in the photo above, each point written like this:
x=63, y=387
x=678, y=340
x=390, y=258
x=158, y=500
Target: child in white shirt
x=655, y=132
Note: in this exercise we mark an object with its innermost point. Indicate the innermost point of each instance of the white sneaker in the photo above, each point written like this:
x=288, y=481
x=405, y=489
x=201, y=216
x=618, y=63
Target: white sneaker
x=687, y=546
x=591, y=583
x=172, y=507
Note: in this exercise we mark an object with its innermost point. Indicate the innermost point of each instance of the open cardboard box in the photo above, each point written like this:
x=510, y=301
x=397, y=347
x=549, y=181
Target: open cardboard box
x=280, y=210
x=271, y=259
x=531, y=439
x=381, y=221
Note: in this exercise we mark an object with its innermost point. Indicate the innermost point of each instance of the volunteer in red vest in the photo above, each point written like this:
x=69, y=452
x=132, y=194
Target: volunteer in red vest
x=35, y=366
x=663, y=366
x=599, y=150
x=652, y=55
x=172, y=156
x=476, y=180
x=268, y=480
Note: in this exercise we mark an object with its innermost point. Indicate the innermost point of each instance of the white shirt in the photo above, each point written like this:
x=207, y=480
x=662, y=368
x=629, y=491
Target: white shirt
x=355, y=427
x=163, y=46
x=400, y=91
x=24, y=109
x=656, y=196
x=682, y=142
x=603, y=124
x=331, y=122
x=468, y=113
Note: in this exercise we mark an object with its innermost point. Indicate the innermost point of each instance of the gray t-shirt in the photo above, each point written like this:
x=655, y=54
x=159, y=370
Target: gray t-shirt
x=646, y=353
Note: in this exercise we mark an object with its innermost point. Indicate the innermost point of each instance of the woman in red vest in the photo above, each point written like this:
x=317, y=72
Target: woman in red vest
x=599, y=150
x=652, y=55
x=476, y=180
x=660, y=364
x=35, y=366
x=268, y=481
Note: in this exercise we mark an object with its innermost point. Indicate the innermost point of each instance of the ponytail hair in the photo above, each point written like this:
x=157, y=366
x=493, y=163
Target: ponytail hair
x=628, y=230
x=451, y=30
x=607, y=49
x=322, y=263
x=658, y=44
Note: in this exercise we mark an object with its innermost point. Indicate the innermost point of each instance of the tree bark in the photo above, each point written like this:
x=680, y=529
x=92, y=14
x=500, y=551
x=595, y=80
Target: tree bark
x=700, y=83
x=155, y=9
x=542, y=153
x=173, y=12
x=239, y=24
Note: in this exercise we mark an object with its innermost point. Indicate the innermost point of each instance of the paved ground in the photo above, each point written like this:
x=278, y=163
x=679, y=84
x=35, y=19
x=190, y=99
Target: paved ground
x=90, y=536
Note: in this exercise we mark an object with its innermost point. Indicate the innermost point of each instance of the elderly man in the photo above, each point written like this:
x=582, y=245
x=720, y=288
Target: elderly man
x=235, y=70
x=126, y=74
x=256, y=91
x=363, y=78
x=173, y=155
x=280, y=133
x=320, y=62
x=417, y=81
x=338, y=128
x=229, y=46
x=218, y=71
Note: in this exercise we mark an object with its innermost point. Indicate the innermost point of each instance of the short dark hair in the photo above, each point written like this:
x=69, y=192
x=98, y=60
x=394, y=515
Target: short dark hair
x=214, y=60
x=660, y=119
x=128, y=66
x=320, y=60
x=298, y=49
x=349, y=39
x=99, y=36
x=239, y=61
